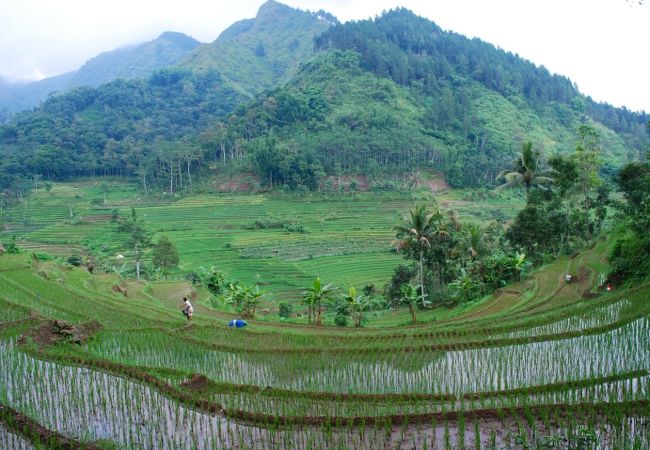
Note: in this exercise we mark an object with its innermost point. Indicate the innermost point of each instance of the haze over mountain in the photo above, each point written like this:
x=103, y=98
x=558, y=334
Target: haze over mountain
x=135, y=61
x=375, y=97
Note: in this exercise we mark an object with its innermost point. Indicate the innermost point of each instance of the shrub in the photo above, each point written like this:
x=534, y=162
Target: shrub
x=11, y=247
x=165, y=253
x=341, y=320
x=285, y=310
x=74, y=260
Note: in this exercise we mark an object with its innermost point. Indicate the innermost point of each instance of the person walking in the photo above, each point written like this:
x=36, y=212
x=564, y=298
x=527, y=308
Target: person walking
x=188, y=309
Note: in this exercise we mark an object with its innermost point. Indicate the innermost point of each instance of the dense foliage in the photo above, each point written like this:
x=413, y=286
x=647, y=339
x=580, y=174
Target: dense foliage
x=414, y=51
x=629, y=254
x=121, y=128
x=381, y=96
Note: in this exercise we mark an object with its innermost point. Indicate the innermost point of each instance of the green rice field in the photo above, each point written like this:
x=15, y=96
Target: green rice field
x=539, y=365
x=343, y=239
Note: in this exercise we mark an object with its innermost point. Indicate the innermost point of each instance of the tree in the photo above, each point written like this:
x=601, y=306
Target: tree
x=588, y=163
x=104, y=190
x=211, y=278
x=409, y=296
x=402, y=275
x=314, y=297
x=471, y=242
x=357, y=305
x=138, y=238
x=165, y=253
x=526, y=170
x=415, y=235
x=244, y=298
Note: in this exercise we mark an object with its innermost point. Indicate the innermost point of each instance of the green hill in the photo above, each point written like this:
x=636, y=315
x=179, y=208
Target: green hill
x=379, y=97
x=257, y=54
x=136, y=61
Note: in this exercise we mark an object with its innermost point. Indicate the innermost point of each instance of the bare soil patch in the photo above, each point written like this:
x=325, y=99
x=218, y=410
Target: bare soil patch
x=52, y=332
x=198, y=383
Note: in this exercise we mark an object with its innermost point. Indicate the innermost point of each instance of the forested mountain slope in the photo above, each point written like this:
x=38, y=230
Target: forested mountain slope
x=256, y=54
x=379, y=96
x=133, y=61
x=108, y=130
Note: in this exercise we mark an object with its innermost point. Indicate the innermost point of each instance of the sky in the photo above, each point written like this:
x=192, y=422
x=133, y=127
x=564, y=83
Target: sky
x=601, y=45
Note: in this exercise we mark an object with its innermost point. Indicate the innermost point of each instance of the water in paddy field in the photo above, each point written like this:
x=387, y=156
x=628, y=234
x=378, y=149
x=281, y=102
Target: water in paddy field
x=91, y=405
x=10, y=440
x=624, y=349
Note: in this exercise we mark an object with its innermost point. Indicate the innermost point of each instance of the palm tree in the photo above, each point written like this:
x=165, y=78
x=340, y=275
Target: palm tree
x=471, y=241
x=416, y=234
x=526, y=170
x=314, y=297
x=414, y=179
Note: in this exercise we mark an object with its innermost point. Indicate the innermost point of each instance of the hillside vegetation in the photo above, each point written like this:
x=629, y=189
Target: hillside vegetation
x=261, y=53
x=384, y=95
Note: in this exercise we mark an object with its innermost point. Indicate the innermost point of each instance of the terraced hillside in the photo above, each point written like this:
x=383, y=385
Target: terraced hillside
x=281, y=241
x=543, y=364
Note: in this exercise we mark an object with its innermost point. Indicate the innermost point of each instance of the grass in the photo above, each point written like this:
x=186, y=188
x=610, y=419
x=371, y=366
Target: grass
x=527, y=363
x=537, y=362
x=344, y=239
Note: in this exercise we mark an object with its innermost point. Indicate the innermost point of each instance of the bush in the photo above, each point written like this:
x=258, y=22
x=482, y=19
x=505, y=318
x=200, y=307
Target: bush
x=42, y=256
x=165, y=253
x=11, y=247
x=285, y=310
x=341, y=320
x=74, y=260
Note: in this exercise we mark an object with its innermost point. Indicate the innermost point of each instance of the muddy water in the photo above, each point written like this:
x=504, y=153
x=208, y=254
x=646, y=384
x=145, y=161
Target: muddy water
x=90, y=405
x=594, y=318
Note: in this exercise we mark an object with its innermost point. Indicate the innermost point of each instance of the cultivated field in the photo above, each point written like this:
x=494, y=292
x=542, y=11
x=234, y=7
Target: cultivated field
x=282, y=242
x=542, y=364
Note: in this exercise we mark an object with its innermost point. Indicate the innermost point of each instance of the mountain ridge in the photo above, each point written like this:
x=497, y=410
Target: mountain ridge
x=409, y=95
x=255, y=54
x=127, y=62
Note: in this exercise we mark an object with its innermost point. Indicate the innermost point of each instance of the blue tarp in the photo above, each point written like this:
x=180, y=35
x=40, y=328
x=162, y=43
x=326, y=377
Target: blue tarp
x=239, y=323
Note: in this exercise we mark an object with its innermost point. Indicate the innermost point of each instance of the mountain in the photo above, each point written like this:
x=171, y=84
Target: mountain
x=137, y=61
x=256, y=54
x=379, y=97
x=15, y=97
x=398, y=92
x=134, y=61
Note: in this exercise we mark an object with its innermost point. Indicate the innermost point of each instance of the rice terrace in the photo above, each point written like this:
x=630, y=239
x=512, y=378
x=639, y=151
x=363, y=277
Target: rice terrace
x=315, y=234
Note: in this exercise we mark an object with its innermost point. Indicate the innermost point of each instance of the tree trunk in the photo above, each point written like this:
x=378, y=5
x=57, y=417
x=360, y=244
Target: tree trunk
x=319, y=320
x=171, y=177
x=412, y=311
x=422, y=275
x=587, y=207
x=189, y=177
x=137, y=261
